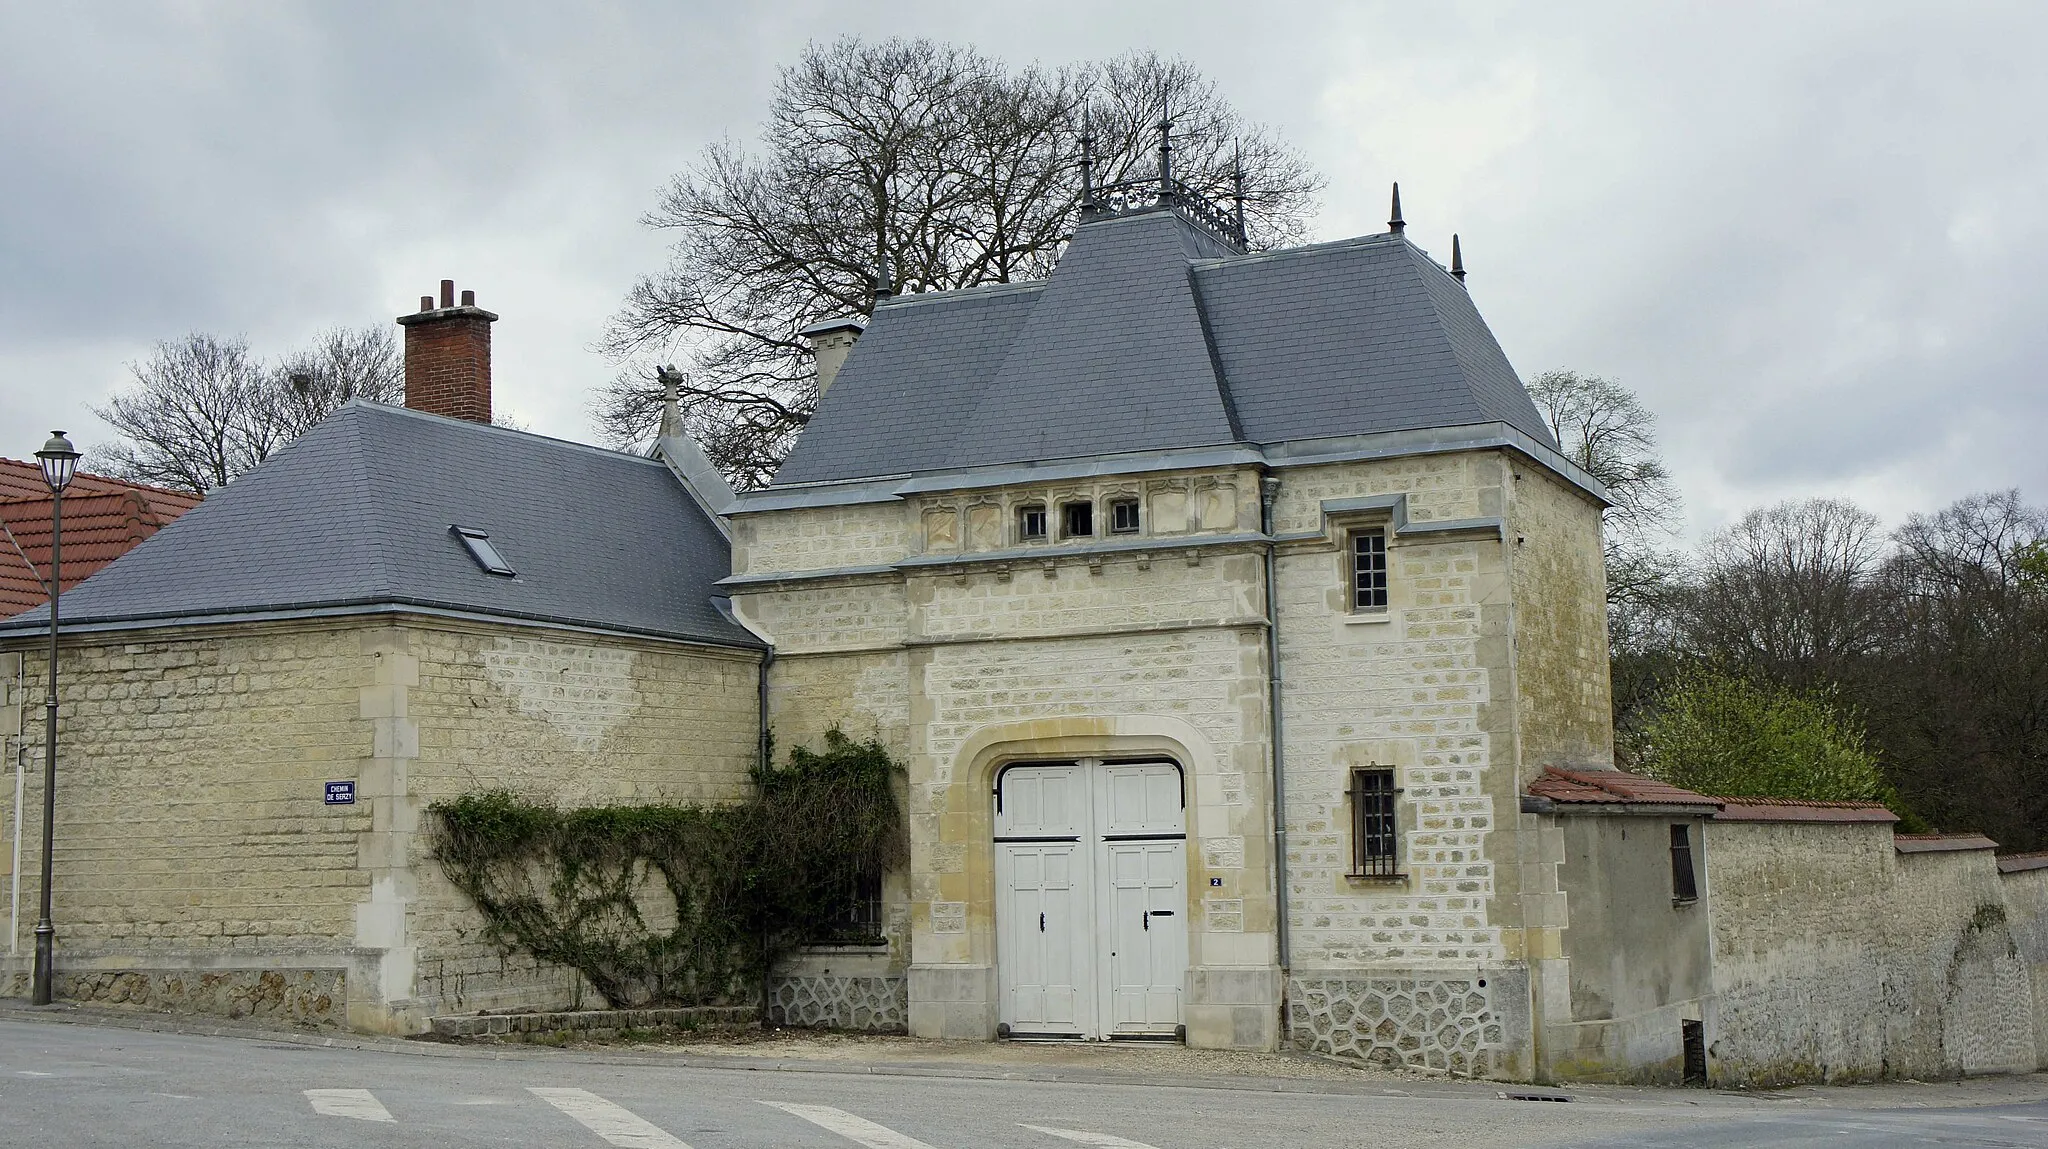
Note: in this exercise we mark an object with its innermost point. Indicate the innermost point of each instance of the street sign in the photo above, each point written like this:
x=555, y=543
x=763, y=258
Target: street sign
x=341, y=793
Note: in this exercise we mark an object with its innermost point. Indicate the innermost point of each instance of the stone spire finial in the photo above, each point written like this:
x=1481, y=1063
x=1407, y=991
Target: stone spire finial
x=1396, y=224
x=1457, y=259
x=671, y=412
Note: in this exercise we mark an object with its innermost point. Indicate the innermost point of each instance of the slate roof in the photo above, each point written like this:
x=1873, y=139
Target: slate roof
x=357, y=514
x=98, y=528
x=1151, y=336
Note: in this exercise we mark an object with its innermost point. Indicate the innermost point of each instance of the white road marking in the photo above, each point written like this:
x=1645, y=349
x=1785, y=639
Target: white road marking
x=858, y=1130
x=615, y=1123
x=360, y=1104
x=1106, y=1141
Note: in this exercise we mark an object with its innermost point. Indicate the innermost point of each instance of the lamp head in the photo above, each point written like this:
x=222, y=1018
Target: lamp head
x=60, y=461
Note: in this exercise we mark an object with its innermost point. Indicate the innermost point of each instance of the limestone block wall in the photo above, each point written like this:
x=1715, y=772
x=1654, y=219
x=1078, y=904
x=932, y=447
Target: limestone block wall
x=1837, y=958
x=196, y=857
x=1560, y=592
x=573, y=719
x=196, y=864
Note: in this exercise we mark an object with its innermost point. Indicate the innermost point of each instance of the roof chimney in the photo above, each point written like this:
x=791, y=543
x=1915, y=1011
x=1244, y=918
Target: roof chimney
x=831, y=341
x=448, y=356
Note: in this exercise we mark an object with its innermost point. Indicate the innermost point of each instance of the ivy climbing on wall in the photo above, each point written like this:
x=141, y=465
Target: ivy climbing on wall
x=750, y=881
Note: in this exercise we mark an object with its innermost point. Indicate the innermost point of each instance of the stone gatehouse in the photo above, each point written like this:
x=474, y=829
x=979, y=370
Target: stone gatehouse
x=1240, y=625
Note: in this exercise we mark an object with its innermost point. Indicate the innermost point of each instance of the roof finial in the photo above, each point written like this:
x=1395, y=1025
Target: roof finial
x=1237, y=191
x=1457, y=259
x=884, y=279
x=1088, y=157
x=1165, y=157
x=671, y=413
x=1397, y=225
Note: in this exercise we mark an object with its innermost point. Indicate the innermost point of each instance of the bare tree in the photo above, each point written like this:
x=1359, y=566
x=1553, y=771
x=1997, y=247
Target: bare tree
x=202, y=411
x=1612, y=435
x=196, y=417
x=903, y=165
x=343, y=363
x=1788, y=593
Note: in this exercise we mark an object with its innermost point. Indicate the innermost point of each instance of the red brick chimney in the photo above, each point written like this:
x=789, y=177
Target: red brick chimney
x=448, y=356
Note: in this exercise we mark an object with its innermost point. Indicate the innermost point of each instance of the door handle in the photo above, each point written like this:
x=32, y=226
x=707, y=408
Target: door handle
x=1041, y=923
x=1162, y=913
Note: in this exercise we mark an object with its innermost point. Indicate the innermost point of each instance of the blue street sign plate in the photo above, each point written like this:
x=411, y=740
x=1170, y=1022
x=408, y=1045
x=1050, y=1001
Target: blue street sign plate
x=341, y=793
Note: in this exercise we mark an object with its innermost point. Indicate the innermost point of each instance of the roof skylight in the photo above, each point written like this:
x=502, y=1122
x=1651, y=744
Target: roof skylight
x=483, y=552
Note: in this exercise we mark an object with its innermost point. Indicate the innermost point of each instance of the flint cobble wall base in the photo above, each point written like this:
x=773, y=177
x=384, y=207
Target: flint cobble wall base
x=879, y=1004
x=1421, y=1021
x=306, y=997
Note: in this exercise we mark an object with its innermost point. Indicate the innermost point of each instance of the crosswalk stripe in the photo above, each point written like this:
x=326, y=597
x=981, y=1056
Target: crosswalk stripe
x=615, y=1123
x=1106, y=1141
x=360, y=1104
x=858, y=1130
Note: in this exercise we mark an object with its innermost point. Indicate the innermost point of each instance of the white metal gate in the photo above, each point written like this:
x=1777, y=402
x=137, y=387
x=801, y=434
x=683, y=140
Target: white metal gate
x=1091, y=887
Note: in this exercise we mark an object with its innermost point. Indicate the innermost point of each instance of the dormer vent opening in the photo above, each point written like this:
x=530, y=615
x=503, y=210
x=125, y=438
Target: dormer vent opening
x=478, y=543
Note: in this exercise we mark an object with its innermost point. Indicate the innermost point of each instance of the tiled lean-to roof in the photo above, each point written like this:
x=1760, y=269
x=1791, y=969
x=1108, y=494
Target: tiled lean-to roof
x=357, y=515
x=1612, y=788
x=1151, y=336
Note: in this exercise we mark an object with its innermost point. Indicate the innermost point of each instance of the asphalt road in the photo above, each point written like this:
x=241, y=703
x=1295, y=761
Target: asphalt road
x=65, y=1085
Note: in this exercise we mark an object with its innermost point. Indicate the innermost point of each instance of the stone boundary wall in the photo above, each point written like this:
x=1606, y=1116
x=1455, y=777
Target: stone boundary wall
x=589, y=1022
x=2026, y=903
x=1838, y=958
x=1411, y=1021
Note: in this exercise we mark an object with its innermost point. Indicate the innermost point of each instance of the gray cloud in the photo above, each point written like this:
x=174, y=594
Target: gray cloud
x=1807, y=234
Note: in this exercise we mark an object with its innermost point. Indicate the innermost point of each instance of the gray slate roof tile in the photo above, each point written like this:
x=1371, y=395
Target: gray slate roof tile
x=357, y=512
x=1149, y=336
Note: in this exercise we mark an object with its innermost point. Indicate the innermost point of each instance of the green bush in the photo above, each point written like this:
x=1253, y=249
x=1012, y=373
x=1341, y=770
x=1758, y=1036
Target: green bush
x=1731, y=737
x=751, y=881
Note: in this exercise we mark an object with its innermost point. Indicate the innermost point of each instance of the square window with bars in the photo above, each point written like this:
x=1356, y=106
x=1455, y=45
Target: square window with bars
x=1369, y=570
x=857, y=912
x=1375, y=832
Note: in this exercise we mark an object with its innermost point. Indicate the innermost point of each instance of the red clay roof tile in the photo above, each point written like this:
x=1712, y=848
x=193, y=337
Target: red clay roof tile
x=99, y=527
x=1933, y=843
x=1801, y=810
x=1612, y=787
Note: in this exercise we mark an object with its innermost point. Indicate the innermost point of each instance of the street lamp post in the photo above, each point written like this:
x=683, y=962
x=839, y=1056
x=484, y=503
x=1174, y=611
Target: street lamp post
x=60, y=462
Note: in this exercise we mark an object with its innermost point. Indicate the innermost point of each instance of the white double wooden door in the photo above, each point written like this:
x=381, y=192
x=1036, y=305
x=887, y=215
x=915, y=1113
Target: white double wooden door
x=1091, y=891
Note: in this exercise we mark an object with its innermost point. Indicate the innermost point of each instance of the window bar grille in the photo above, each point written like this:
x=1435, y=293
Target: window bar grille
x=1375, y=839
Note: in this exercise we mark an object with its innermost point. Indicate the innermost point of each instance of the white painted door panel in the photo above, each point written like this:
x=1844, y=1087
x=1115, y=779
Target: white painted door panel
x=1147, y=908
x=1091, y=915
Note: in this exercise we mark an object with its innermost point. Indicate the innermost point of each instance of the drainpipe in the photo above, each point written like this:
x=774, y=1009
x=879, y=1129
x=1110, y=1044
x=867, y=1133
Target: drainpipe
x=1269, y=492
x=761, y=706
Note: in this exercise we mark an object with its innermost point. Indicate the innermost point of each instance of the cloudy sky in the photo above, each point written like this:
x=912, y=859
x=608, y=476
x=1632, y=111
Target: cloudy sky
x=1812, y=236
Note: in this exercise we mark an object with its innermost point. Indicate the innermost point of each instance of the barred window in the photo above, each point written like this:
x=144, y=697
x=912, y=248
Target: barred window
x=1684, y=881
x=1369, y=570
x=857, y=911
x=1375, y=837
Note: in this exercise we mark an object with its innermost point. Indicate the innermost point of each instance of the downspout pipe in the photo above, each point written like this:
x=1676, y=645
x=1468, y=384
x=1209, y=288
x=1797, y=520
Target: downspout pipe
x=1269, y=493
